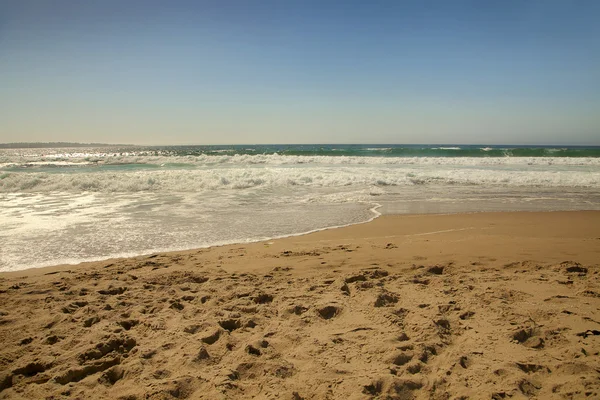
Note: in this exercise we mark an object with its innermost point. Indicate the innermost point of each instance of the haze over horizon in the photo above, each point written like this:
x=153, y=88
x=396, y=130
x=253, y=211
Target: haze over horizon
x=238, y=72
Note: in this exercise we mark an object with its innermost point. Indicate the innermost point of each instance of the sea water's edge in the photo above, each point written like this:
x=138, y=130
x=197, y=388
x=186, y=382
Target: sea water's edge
x=84, y=260
x=110, y=234
x=376, y=215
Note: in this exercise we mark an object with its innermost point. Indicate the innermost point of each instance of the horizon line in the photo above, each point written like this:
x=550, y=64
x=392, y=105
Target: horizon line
x=66, y=144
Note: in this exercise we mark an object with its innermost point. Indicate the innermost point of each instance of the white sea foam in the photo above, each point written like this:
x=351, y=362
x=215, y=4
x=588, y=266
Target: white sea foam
x=60, y=157
x=234, y=177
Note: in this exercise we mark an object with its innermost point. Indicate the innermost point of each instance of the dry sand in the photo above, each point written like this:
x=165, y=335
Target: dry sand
x=501, y=305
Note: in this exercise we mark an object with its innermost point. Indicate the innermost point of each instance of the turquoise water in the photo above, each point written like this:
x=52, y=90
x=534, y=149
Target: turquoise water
x=388, y=150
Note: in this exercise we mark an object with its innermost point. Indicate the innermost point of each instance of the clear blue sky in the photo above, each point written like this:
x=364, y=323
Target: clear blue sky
x=285, y=71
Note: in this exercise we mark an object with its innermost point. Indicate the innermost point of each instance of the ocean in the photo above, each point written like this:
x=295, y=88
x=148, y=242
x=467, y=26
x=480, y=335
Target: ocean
x=68, y=205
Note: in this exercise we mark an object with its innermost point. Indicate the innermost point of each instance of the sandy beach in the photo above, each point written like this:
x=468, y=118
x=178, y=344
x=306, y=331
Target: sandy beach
x=482, y=306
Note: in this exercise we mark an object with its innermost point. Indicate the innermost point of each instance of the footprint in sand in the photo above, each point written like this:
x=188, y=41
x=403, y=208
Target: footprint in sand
x=263, y=298
x=529, y=337
x=112, y=376
x=386, y=299
x=329, y=312
x=128, y=324
x=211, y=337
x=532, y=368
x=392, y=388
x=112, y=291
x=230, y=325
x=91, y=321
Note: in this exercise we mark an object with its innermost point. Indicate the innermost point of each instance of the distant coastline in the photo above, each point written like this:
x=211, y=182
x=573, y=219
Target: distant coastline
x=53, y=145
x=10, y=145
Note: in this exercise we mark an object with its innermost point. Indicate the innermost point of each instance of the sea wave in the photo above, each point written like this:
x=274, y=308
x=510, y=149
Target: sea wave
x=194, y=180
x=361, y=151
x=60, y=160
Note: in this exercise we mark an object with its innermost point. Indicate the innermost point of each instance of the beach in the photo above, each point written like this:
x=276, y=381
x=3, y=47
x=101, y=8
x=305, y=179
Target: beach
x=299, y=200
x=471, y=305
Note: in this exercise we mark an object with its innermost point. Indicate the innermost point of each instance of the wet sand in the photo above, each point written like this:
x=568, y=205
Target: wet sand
x=489, y=305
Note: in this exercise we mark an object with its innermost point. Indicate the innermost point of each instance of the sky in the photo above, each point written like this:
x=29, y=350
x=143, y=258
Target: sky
x=287, y=71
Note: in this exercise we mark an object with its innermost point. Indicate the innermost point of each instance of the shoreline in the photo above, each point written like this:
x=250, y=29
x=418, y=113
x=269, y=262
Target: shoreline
x=377, y=215
x=431, y=306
